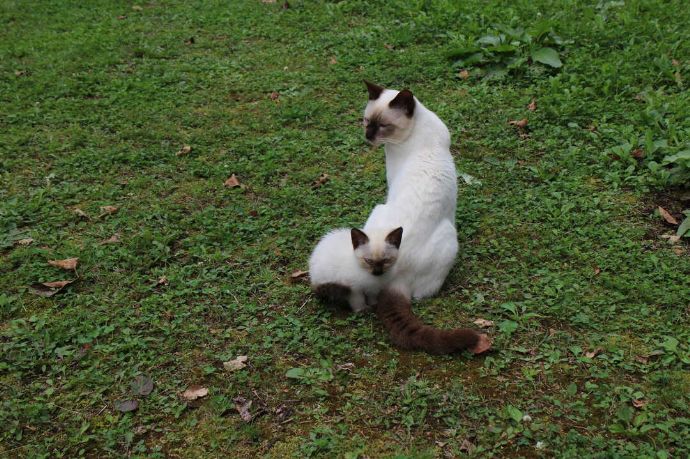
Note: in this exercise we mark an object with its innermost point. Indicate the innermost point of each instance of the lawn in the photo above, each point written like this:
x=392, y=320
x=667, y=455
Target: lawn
x=121, y=123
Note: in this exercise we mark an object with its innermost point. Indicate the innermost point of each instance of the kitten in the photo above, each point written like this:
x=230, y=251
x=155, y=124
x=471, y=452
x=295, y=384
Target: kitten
x=406, y=331
x=352, y=265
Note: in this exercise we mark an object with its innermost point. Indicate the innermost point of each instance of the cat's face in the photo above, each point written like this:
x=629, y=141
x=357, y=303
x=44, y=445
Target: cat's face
x=389, y=115
x=378, y=251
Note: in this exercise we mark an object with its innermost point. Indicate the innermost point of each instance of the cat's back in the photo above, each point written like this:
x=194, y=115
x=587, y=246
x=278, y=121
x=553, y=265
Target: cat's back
x=332, y=256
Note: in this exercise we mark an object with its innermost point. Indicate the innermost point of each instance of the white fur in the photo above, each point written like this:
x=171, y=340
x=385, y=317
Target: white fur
x=421, y=198
x=334, y=261
x=422, y=195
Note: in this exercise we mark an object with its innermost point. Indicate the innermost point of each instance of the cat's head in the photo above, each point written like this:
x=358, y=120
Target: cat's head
x=376, y=252
x=389, y=115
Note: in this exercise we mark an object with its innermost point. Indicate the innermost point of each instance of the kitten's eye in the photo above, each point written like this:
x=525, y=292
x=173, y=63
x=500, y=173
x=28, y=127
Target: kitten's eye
x=384, y=125
x=368, y=261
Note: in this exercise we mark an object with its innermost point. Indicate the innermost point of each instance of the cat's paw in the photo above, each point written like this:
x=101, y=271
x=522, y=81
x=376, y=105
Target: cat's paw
x=483, y=345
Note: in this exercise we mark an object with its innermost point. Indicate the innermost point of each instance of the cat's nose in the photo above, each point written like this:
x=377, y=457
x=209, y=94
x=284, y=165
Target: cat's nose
x=370, y=132
x=377, y=271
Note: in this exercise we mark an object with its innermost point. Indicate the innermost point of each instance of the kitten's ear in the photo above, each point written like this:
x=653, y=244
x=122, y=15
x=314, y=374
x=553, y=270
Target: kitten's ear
x=374, y=90
x=404, y=101
x=395, y=237
x=358, y=238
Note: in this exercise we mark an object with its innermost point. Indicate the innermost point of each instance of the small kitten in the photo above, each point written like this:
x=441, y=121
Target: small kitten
x=353, y=266
x=394, y=309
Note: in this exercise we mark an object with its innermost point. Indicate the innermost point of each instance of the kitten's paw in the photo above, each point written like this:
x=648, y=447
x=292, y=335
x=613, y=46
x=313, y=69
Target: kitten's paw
x=483, y=345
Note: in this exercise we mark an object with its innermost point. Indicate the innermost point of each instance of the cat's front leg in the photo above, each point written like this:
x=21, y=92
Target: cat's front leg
x=358, y=301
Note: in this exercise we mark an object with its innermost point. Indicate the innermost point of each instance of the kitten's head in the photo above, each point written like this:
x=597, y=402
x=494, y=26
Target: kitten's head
x=389, y=115
x=378, y=251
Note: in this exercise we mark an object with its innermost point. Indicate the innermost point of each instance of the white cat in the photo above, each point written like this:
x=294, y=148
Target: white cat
x=422, y=188
x=421, y=198
x=352, y=265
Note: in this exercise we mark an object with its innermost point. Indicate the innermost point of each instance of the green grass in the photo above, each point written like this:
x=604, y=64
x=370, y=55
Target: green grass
x=560, y=244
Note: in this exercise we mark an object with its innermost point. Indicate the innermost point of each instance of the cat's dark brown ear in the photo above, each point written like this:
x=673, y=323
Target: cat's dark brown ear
x=395, y=237
x=374, y=90
x=358, y=238
x=404, y=101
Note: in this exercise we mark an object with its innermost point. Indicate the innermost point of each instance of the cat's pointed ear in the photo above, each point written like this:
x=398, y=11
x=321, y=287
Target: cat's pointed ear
x=358, y=238
x=374, y=90
x=395, y=237
x=404, y=101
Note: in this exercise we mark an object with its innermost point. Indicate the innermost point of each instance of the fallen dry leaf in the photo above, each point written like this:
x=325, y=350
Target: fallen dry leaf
x=483, y=345
x=299, y=275
x=232, y=182
x=114, y=239
x=642, y=359
x=597, y=271
x=349, y=366
x=126, y=406
x=532, y=105
x=190, y=41
x=48, y=289
x=467, y=446
x=194, y=392
x=675, y=62
x=137, y=8
x=666, y=216
x=236, y=364
x=68, y=264
x=521, y=124
x=80, y=213
x=274, y=95
x=637, y=153
x=594, y=353
x=163, y=280
x=484, y=323
x=639, y=403
x=108, y=210
x=242, y=406
x=464, y=74
x=333, y=60
x=142, y=385
x=19, y=73
x=185, y=150
x=678, y=250
x=122, y=17
x=323, y=178
x=388, y=46
x=25, y=242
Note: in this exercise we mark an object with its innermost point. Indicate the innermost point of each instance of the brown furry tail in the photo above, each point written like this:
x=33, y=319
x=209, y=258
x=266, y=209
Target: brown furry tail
x=408, y=332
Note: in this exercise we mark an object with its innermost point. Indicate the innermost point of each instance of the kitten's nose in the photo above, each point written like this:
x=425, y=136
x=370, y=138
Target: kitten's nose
x=377, y=271
x=371, y=132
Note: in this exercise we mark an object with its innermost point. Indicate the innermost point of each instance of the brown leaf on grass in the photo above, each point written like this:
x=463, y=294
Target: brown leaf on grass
x=333, y=60
x=637, y=153
x=274, y=95
x=643, y=359
x=675, y=62
x=190, y=41
x=672, y=238
x=120, y=18
x=68, y=264
x=142, y=385
x=125, y=406
x=80, y=213
x=299, y=276
x=464, y=74
x=232, y=182
x=597, y=270
x=48, y=289
x=483, y=345
x=532, y=105
x=163, y=280
x=185, y=150
x=137, y=8
x=484, y=323
x=678, y=250
x=388, y=46
x=19, y=73
x=520, y=124
x=107, y=210
x=236, y=364
x=639, y=403
x=666, y=216
x=25, y=242
x=242, y=406
x=323, y=178
x=194, y=392
x=114, y=239
x=467, y=446
x=594, y=353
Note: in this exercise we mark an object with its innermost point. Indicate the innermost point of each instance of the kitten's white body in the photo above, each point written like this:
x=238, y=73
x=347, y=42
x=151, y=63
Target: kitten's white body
x=333, y=261
x=422, y=195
